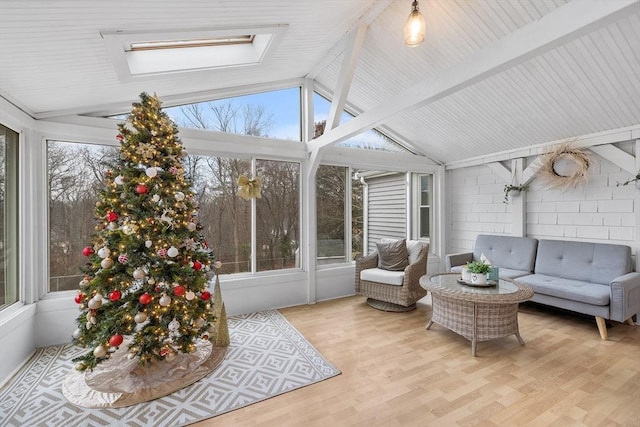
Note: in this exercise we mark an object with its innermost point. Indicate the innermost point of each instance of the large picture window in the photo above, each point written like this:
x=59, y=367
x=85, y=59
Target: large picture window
x=9, y=291
x=274, y=114
x=75, y=176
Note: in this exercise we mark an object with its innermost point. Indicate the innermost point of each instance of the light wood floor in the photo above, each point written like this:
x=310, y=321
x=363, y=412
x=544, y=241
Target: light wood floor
x=396, y=373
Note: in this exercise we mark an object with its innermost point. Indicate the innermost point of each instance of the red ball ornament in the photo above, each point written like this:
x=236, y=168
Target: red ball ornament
x=206, y=295
x=164, y=352
x=141, y=189
x=179, y=291
x=112, y=216
x=115, y=295
x=119, y=137
x=78, y=298
x=145, y=299
x=197, y=265
x=162, y=252
x=116, y=340
x=88, y=251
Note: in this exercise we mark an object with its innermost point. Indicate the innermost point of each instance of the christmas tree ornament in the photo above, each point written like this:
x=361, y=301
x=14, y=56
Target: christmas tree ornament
x=197, y=265
x=217, y=265
x=106, y=263
x=140, y=317
x=100, y=351
x=78, y=298
x=123, y=258
x=112, y=226
x=199, y=323
x=112, y=216
x=145, y=299
x=151, y=281
x=155, y=198
x=84, y=282
x=162, y=252
x=205, y=295
x=179, y=196
x=119, y=137
x=164, y=352
x=104, y=252
x=88, y=251
x=151, y=172
x=191, y=226
x=116, y=340
x=172, y=252
x=94, y=303
x=139, y=273
x=164, y=300
x=128, y=229
x=174, y=325
x=141, y=189
x=77, y=333
x=179, y=291
x=119, y=180
x=190, y=295
x=89, y=325
x=115, y=296
x=173, y=170
x=148, y=243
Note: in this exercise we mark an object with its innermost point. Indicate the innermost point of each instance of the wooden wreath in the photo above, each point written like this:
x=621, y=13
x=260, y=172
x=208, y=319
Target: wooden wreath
x=564, y=167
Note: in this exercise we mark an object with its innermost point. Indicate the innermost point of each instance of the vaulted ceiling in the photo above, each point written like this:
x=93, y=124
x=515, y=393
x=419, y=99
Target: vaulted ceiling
x=54, y=62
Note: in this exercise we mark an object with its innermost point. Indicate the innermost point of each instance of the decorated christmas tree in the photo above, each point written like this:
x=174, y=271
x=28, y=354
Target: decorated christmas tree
x=145, y=283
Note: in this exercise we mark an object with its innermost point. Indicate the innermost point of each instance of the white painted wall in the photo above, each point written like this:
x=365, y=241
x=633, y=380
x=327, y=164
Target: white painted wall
x=598, y=212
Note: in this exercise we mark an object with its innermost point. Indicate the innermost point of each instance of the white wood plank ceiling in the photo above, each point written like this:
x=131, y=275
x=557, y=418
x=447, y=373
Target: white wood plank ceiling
x=54, y=62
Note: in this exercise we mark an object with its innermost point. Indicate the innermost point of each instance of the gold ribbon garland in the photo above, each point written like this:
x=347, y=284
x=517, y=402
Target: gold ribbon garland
x=249, y=188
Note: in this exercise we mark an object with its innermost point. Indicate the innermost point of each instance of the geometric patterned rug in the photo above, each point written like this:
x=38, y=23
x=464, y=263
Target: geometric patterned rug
x=267, y=357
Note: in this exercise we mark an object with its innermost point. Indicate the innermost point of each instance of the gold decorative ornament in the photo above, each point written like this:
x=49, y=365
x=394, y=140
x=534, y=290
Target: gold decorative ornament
x=249, y=188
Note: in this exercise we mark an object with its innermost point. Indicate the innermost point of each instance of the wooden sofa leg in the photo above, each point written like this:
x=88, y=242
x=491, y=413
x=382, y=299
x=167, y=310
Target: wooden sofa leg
x=602, y=327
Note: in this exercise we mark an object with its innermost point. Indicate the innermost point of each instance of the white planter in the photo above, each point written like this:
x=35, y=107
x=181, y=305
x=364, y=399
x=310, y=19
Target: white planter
x=466, y=275
x=478, y=279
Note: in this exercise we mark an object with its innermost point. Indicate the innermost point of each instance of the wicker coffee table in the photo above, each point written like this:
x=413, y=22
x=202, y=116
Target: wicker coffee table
x=476, y=313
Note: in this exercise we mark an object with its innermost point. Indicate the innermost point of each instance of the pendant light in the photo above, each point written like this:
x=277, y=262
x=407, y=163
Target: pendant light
x=414, y=29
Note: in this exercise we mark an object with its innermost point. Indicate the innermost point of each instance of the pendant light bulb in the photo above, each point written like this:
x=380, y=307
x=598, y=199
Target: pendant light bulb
x=415, y=27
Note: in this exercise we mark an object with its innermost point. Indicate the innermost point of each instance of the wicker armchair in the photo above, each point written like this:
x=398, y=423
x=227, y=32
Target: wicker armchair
x=393, y=297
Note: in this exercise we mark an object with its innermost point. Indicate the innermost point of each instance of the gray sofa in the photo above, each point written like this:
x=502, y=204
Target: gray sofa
x=596, y=279
x=515, y=256
x=590, y=278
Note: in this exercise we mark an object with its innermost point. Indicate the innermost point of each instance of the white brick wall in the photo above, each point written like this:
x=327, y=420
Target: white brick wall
x=596, y=212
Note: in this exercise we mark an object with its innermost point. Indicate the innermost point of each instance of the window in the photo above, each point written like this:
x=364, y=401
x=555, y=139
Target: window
x=278, y=215
x=425, y=200
x=75, y=176
x=139, y=53
x=339, y=201
x=9, y=291
x=274, y=114
x=331, y=207
x=369, y=140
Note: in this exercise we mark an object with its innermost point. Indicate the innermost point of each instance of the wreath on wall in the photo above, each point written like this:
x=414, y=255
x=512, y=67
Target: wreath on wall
x=565, y=167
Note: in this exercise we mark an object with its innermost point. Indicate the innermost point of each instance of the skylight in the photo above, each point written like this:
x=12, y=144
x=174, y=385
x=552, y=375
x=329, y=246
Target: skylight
x=146, y=53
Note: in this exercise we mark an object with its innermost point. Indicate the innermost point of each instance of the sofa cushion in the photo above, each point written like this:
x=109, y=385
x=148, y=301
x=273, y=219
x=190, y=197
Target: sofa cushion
x=589, y=262
x=515, y=253
x=395, y=278
x=393, y=255
x=575, y=290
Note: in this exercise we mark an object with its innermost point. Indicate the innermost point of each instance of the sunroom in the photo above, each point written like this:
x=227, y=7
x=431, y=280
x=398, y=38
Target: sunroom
x=356, y=135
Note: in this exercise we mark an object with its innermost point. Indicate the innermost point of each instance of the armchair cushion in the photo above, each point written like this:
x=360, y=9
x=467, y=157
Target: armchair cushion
x=378, y=275
x=393, y=256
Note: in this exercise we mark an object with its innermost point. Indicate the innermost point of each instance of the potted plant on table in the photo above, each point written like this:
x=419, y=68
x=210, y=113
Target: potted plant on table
x=478, y=270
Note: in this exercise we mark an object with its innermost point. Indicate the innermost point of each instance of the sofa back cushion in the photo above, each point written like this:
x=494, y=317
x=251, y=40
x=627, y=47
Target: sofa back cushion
x=517, y=253
x=589, y=262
